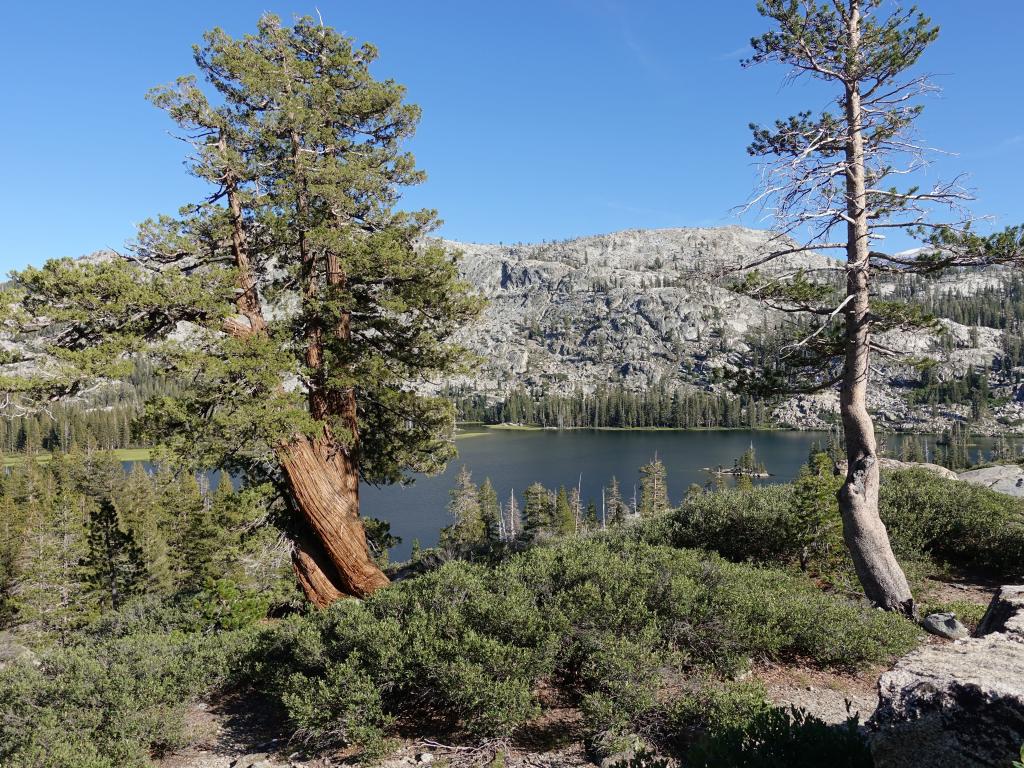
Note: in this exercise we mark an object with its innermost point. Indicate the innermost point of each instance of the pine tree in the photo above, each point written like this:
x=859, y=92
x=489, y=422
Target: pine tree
x=563, y=520
x=833, y=175
x=615, y=508
x=113, y=567
x=538, y=511
x=46, y=594
x=816, y=509
x=467, y=529
x=144, y=519
x=490, y=510
x=653, y=488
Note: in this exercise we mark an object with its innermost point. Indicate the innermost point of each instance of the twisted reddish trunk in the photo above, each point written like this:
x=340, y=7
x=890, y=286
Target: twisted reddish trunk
x=313, y=568
x=330, y=557
x=322, y=473
x=325, y=487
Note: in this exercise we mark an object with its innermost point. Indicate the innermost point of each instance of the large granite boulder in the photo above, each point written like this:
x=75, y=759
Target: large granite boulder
x=1005, y=478
x=957, y=705
x=885, y=462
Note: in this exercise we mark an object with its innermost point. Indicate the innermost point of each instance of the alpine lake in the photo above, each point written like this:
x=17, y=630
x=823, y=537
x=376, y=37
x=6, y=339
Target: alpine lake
x=588, y=458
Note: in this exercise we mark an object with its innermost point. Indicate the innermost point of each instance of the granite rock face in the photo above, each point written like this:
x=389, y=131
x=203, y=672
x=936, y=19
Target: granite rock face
x=1005, y=478
x=627, y=308
x=957, y=704
x=639, y=307
x=636, y=307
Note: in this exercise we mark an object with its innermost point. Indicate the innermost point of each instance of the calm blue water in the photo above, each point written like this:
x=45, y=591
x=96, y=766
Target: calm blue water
x=515, y=459
x=588, y=458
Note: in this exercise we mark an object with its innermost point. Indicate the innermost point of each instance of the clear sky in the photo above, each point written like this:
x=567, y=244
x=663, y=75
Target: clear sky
x=542, y=119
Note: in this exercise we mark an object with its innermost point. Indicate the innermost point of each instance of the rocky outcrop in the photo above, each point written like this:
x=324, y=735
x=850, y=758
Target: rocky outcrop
x=1005, y=478
x=960, y=704
x=886, y=463
x=636, y=307
x=627, y=308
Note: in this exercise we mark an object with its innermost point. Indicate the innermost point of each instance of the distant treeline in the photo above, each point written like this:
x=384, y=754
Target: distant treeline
x=105, y=420
x=994, y=306
x=661, y=406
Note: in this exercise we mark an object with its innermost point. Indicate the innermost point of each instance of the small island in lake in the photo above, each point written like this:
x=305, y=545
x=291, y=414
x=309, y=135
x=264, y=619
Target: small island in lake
x=747, y=465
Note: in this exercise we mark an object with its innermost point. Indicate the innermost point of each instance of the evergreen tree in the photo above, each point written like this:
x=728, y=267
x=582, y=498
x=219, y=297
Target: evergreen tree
x=145, y=520
x=113, y=567
x=615, y=508
x=835, y=173
x=816, y=509
x=564, y=519
x=468, y=529
x=653, y=488
x=538, y=510
x=45, y=592
x=490, y=510
x=303, y=150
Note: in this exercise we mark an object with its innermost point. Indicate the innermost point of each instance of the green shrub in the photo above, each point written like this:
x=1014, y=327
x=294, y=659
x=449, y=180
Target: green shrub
x=106, y=704
x=603, y=618
x=756, y=524
x=927, y=516
x=966, y=611
x=780, y=738
x=458, y=644
x=223, y=606
x=965, y=525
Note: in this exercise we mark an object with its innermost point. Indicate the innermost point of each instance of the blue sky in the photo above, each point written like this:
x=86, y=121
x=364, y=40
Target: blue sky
x=543, y=119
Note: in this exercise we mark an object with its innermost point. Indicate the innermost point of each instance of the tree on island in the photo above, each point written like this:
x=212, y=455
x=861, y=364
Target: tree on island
x=836, y=171
x=298, y=307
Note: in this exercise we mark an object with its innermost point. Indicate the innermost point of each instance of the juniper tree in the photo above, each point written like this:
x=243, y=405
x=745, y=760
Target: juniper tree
x=307, y=308
x=831, y=179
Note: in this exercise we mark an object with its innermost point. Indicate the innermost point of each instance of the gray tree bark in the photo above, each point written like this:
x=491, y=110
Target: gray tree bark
x=863, y=530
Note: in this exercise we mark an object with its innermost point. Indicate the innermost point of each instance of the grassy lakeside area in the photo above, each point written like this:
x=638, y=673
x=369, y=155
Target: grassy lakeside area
x=121, y=454
x=141, y=454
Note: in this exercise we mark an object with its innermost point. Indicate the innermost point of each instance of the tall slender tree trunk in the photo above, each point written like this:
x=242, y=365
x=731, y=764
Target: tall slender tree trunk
x=863, y=530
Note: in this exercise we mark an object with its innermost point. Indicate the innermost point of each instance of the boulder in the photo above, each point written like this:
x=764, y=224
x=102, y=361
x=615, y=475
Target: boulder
x=887, y=463
x=1005, y=478
x=945, y=625
x=959, y=704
